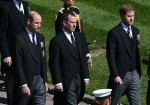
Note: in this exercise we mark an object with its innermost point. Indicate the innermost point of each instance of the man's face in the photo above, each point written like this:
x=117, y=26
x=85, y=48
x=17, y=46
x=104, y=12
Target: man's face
x=70, y=25
x=69, y=2
x=35, y=24
x=128, y=18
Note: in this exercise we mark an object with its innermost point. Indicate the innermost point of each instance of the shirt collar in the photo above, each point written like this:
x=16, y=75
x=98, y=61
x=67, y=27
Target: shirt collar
x=67, y=33
x=16, y=2
x=125, y=27
x=29, y=32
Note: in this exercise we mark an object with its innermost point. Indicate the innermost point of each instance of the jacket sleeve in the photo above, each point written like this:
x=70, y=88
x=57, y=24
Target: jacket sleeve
x=110, y=53
x=4, y=45
x=54, y=60
x=19, y=65
x=44, y=62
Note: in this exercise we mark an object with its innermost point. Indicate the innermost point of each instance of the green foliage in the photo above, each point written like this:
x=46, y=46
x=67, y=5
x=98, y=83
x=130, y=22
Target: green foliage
x=99, y=16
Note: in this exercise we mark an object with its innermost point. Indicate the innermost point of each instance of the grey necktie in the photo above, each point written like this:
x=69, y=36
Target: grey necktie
x=129, y=32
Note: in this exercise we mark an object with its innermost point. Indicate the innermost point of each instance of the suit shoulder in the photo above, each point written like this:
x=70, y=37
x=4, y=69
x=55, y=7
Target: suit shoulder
x=39, y=35
x=134, y=27
x=114, y=29
x=114, y=32
x=57, y=38
x=21, y=35
x=25, y=2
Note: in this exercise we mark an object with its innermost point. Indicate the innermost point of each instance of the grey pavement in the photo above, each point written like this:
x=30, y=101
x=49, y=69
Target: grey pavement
x=87, y=100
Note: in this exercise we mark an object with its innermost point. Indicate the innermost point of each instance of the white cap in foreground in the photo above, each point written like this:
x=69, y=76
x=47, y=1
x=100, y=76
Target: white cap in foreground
x=102, y=92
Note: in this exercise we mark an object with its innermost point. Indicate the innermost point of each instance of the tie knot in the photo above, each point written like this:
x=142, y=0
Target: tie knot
x=19, y=5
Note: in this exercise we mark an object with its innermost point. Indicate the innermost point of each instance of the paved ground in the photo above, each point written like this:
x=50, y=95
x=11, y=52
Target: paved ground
x=49, y=101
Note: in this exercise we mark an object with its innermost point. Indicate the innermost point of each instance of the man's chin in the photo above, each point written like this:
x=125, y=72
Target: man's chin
x=73, y=30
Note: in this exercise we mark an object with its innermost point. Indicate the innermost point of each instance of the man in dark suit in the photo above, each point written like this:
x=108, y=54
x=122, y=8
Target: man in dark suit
x=69, y=6
x=123, y=56
x=31, y=63
x=13, y=23
x=67, y=62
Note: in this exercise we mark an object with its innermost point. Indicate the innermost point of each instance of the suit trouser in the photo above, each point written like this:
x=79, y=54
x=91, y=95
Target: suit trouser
x=38, y=93
x=131, y=87
x=74, y=91
x=71, y=96
x=148, y=93
x=11, y=87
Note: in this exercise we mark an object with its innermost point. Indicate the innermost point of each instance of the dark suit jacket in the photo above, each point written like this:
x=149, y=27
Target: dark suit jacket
x=119, y=53
x=26, y=59
x=13, y=23
x=2, y=4
x=63, y=61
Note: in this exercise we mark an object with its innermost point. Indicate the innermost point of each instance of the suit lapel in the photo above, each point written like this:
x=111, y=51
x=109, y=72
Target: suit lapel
x=134, y=35
x=40, y=45
x=69, y=45
x=78, y=42
x=30, y=46
x=17, y=13
x=125, y=38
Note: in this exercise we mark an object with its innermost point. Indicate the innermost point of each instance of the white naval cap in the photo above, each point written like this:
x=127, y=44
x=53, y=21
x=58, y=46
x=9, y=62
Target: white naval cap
x=102, y=92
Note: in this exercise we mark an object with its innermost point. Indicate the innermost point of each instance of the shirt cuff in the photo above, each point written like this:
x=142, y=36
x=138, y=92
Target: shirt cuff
x=58, y=84
x=23, y=85
x=88, y=55
x=86, y=79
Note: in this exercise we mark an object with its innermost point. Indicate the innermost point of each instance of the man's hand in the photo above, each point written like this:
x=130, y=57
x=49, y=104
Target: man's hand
x=58, y=87
x=86, y=82
x=118, y=80
x=7, y=61
x=46, y=86
x=26, y=90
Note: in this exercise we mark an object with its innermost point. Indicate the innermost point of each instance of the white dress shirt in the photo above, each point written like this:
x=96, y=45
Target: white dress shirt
x=68, y=35
x=125, y=27
x=30, y=36
x=19, y=6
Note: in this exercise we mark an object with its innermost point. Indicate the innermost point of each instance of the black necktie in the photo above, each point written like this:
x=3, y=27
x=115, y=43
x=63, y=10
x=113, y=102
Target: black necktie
x=20, y=8
x=73, y=41
x=33, y=39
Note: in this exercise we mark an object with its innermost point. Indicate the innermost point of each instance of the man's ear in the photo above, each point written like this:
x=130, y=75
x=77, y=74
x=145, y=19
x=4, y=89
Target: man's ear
x=64, y=23
x=28, y=21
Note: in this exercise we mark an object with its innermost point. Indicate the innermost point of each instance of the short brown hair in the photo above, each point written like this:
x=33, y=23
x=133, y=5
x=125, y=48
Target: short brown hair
x=31, y=14
x=66, y=14
x=126, y=8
